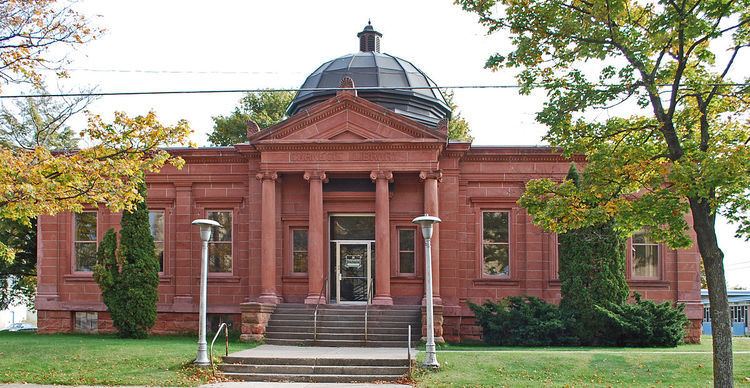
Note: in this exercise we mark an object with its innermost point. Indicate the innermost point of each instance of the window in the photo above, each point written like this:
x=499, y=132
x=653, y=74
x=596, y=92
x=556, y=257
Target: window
x=299, y=250
x=495, y=243
x=220, y=245
x=406, y=252
x=86, y=322
x=85, y=241
x=156, y=223
x=644, y=257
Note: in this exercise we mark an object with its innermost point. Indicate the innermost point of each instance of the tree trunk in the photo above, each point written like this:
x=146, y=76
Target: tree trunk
x=713, y=261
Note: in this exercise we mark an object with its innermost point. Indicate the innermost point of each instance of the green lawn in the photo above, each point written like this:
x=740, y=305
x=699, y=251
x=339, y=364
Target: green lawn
x=478, y=366
x=72, y=359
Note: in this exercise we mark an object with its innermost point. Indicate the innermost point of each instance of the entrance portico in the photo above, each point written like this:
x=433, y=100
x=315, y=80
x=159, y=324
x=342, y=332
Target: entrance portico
x=345, y=138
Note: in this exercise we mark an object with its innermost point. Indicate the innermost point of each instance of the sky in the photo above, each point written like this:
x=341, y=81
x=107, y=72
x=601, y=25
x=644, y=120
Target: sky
x=199, y=45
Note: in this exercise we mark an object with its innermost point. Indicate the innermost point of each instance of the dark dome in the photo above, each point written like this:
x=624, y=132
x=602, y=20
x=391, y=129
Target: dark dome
x=372, y=69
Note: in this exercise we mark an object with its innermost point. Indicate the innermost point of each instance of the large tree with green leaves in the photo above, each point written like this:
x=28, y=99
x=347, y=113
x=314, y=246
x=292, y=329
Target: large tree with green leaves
x=679, y=158
x=264, y=108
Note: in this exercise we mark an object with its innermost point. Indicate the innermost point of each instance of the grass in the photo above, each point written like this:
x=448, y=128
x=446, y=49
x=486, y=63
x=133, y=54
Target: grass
x=77, y=359
x=533, y=367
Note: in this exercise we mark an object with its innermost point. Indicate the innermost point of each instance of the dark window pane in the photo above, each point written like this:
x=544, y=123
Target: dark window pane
x=496, y=259
x=495, y=225
x=645, y=260
x=353, y=228
x=406, y=262
x=300, y=262
x=406, y=240
x=219, y=257
x=85, y=226
x=299, y=237
x=85, y=256
x=224, y=218
x=159, y=250
x=156, y=223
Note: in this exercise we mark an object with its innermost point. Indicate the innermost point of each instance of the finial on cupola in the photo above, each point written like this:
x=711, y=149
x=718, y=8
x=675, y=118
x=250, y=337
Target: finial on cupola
x=369, y=39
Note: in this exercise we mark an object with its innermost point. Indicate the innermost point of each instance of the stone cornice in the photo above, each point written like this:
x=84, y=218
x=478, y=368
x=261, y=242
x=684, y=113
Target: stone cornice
x=365, y=145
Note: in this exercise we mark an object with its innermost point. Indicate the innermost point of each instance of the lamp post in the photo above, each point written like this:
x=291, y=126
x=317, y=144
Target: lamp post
x=202, y=358
x=426, y=222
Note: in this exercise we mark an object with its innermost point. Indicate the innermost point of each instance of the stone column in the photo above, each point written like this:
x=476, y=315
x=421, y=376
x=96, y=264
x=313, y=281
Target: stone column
x=315, y=235
x=382, y=238
x=431, y=179
x=268, y=238
x=183, y=261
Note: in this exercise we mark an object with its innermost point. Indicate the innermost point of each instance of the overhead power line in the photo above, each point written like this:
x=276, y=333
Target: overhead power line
x=255, y=90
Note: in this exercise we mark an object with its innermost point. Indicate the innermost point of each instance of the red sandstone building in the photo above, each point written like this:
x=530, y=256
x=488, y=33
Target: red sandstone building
x=318, y=208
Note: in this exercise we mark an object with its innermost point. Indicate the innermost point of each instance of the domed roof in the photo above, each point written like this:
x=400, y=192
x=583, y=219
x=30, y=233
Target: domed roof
x=384, y=79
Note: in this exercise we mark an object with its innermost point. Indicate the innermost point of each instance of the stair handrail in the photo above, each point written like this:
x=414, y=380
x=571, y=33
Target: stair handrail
x=408, y=351
x=367, y=305
x=226, y=341
x=315, y=315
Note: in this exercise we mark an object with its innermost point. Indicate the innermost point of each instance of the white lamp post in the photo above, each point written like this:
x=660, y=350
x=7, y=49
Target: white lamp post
x=426, y=222
x=202, y=358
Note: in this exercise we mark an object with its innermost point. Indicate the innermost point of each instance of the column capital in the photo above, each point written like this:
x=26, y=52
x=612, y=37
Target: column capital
x=437, y=175
x=267, y=175
x=316, y=175
x=380, y=174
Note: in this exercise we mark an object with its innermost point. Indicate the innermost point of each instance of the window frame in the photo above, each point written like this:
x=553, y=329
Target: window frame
x=74, y=253
x=230, y=242
x=511, y=273
x=165, y=256
x=398, y=251
x=292, y=229
x=660, y=254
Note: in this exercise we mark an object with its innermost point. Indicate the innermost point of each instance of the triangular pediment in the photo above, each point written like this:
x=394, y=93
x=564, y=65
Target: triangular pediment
x=346, y=118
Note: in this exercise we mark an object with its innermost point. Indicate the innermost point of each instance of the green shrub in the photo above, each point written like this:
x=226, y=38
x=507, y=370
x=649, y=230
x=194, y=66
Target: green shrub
x=643, y=323
x=128, y=274
x=522, y=321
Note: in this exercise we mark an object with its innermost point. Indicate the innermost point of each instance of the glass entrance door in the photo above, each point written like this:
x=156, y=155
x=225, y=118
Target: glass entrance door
x=353, y=271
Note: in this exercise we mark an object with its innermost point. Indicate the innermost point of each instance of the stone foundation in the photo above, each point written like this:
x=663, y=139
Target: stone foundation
x=255, y=317
x=694, y=331
x=437, y=312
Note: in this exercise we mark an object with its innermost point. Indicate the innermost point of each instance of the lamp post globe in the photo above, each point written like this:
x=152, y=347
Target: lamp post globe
x=426, y=222
x=201, y=358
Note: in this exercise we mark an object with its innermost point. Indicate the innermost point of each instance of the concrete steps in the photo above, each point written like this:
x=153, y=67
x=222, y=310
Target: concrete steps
x=343, y=325
x=316, y=369
x=293, y=353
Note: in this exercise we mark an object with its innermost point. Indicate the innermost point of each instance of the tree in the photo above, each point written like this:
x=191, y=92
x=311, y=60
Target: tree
x=128, y=274
x=458, y=127
x=683, y=153
x=264, y=108
x=18, y=276
x=592, y=273
x=30, y=30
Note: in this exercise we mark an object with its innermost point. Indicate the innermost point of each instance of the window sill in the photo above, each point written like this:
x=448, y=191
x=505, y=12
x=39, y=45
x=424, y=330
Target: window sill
x=497, y=282
x=406, y=280
x=295, y=278
x=165, y=278
x=649, y=283
x=79, y=277
x=228, y=278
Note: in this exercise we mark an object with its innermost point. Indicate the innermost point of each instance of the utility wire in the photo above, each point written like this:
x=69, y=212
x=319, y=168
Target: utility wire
x=358, y=88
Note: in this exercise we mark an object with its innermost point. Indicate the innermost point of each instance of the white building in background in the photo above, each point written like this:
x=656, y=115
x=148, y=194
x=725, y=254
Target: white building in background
x=17, y=314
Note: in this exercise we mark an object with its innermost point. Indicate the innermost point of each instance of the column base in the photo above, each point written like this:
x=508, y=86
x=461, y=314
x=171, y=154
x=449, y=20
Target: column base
x=315, y=299
x=270, y=299
x=382, y=301
x=255, y=317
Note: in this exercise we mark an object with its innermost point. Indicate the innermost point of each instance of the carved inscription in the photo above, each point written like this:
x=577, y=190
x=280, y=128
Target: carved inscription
x=333, y=156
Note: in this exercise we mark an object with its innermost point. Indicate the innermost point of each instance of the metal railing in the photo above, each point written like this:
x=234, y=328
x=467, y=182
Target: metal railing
x=315, y=315
x=408, y=351
x=367, y=305
x=226, y=342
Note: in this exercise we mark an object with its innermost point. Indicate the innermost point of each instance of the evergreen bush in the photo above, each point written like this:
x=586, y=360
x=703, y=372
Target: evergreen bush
x=128, y=274
x=644, y=323
x=591, y=264
x=522, y=321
